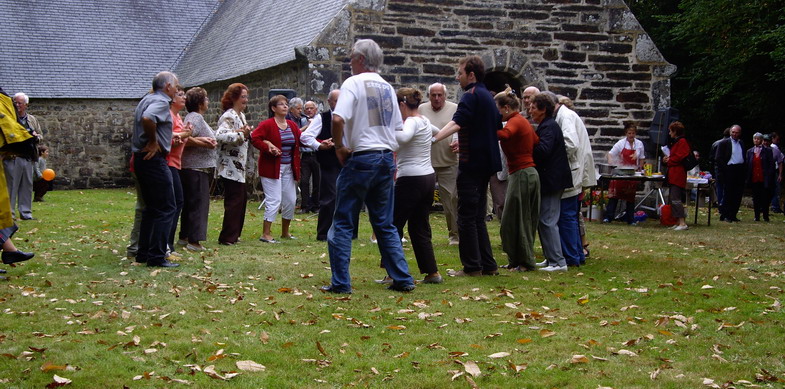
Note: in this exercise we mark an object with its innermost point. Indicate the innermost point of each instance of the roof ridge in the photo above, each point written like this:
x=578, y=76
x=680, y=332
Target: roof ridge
x=187, y=46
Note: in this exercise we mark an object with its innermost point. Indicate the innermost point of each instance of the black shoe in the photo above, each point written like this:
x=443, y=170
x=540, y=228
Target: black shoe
x=3, y=271
x=321, y=238
x=28, y=218
x=165, y=263
x=332, y=289
x=10, y=257
x=401, y=288
x=494, y=272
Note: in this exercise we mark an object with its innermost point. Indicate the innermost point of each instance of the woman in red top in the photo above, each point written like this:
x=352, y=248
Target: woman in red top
x=676, y=177
x=522, y=202
x=179, y=134
x=278, y=141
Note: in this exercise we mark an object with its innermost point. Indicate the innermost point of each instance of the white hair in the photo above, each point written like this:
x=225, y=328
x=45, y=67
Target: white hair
x=435, y=85
x=371, y=52
x=23, y=96
x=161, y=79
x=295, y=101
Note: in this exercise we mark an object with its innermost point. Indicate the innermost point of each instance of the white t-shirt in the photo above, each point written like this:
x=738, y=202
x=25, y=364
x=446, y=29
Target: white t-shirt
x=414, y=152
x=623, y=144
x=369, y=107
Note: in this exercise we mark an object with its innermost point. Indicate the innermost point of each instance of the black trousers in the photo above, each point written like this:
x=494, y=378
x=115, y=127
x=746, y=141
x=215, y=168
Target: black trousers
x=474, y=246
x=196, y=205
x=327, y=181
x=235, y=201
x=413, y=199
x=309, y=171
x=734, y=188
x=761, y=199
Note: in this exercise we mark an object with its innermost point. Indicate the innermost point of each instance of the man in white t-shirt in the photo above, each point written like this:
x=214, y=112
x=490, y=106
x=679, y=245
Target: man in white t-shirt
x=364, y=124
x=444, y=161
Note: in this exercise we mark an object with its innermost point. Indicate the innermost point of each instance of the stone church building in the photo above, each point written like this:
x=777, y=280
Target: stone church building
x=86, y=63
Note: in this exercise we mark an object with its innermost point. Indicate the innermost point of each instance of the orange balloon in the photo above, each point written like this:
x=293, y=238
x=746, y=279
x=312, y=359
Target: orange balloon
x=48, y=175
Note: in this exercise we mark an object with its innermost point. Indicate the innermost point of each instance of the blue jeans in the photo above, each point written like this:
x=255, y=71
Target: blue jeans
x=570, y=234
x=366, y=178
x=155, y=182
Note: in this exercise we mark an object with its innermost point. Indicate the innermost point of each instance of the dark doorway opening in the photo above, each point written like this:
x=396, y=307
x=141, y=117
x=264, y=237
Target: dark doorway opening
x=496, y=81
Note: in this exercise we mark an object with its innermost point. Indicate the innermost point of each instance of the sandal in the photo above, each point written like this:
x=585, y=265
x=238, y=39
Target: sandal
x=586, y=251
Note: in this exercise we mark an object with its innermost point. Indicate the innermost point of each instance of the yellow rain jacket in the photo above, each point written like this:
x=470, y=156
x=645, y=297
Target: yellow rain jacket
x=12, y=132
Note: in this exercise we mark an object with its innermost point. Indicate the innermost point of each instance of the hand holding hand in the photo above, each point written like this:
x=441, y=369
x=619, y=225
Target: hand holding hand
x=454, y=146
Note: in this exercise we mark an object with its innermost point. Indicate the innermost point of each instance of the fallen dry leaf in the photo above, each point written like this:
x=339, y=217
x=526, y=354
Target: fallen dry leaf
x=58, y=381
x=321, y=349
x=579, y=359
x=472, y=368
x=546, y=333
x=250, y=366
x=524, y=340
x=517, y=368
x=583, y=299
x=627, y=353
x=499, y=355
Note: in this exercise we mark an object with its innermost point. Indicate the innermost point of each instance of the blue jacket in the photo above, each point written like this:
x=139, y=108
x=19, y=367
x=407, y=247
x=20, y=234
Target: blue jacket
x=479, y=120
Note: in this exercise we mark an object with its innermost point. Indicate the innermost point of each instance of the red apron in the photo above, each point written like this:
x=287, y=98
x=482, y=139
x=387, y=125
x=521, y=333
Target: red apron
x=624, y=190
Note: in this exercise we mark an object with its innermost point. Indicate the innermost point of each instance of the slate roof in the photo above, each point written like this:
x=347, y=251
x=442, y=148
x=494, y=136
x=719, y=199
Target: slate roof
x=94, y=48
x=245, y=36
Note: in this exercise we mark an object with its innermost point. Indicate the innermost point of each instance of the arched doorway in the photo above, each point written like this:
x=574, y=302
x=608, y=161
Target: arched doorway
x=495, y=81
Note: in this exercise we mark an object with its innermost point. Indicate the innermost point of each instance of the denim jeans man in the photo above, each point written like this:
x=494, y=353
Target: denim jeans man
x=364, y=124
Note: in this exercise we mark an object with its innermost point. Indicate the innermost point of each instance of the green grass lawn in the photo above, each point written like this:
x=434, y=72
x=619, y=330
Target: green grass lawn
x=652, y=308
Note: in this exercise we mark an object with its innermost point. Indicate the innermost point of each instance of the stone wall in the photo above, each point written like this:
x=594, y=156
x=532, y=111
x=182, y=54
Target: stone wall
x=89, y=140
x=593, y=51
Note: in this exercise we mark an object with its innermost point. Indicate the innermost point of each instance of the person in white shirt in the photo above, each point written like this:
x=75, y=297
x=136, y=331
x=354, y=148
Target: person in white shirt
x=627, y=152
x=444, y=161
x=365, y=121
x=415, y=182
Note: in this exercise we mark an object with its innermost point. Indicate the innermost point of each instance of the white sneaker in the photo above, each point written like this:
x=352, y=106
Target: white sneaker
x=681, y=228
x=554, y=268
x=541, y=264
x=454, y=242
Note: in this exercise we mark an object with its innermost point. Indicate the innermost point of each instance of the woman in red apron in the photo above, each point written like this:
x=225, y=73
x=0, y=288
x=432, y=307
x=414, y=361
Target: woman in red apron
x=627, y=152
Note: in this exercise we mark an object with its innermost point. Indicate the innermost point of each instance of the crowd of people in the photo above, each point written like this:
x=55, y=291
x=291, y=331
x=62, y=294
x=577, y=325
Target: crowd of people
x=759, y=168
x=385, y=150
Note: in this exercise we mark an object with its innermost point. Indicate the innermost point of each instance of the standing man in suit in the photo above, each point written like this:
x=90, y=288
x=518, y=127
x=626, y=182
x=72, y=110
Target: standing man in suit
x=731, y=173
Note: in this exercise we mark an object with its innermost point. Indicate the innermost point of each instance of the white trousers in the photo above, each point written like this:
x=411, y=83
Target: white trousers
x=280, y=194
